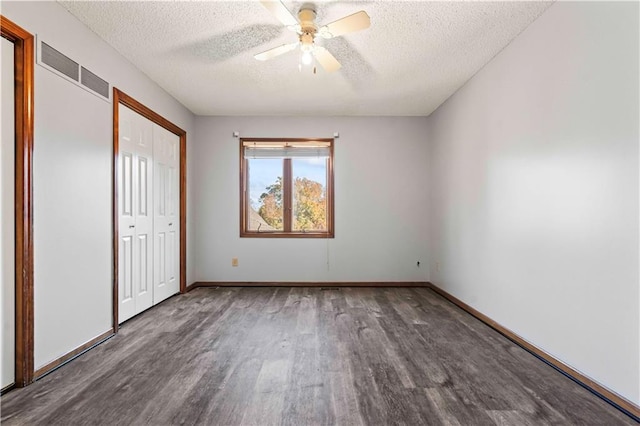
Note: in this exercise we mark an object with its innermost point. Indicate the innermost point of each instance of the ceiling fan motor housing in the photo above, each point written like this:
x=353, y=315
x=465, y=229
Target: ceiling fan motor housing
x=307, y=19
x=308, y=28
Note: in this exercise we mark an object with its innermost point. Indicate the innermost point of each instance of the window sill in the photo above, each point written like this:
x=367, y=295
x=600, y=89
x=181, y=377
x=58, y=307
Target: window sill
x=286, y=235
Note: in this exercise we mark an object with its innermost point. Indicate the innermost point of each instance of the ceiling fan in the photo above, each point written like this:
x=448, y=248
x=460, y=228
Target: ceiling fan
x=307, y=31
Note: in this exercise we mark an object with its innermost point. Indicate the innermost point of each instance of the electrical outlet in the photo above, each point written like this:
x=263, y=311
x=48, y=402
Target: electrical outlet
x=234, y=261
x=437, y=266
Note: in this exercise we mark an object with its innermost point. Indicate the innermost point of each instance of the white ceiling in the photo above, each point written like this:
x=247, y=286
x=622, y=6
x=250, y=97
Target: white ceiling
x=413, y=57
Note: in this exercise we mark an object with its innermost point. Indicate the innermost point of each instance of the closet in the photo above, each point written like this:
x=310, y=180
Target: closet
x=148, y=213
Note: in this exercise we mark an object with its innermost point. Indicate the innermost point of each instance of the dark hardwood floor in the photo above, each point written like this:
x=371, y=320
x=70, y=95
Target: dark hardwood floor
x=307, y=356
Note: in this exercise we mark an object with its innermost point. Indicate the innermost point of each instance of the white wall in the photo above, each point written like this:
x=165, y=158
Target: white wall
x=72, y=179
x=7, y=224
x=380, y=203
x=534, y=206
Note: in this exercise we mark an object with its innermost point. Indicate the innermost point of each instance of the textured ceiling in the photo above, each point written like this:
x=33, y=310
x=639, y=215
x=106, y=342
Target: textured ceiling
x=413, y=57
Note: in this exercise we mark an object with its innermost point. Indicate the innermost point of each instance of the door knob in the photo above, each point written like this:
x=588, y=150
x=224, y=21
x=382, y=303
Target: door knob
x=131, y=226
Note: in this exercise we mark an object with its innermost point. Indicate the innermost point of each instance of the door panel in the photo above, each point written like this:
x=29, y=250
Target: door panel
x=172, y=196
x=144, y=220
x=161, y=185
x=143, y=268
x=125, y=267
x=126, y=221
x=135, y=224
x=127, y=185
x=161, y=260
x=166, y=216
x=172, y=261
x=143, y=206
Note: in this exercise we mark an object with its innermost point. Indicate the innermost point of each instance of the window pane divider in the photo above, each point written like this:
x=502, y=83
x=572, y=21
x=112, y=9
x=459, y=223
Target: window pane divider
x=287, y=194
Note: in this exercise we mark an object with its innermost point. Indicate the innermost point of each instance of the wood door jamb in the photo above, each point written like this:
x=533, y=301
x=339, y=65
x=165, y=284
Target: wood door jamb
x=23, y=42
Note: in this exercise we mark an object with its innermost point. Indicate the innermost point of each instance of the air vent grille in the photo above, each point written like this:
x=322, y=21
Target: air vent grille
x=72, y=71
x=60, y=62
x=95, y=83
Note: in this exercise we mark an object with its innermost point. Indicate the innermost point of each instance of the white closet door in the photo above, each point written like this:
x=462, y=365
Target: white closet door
x=135, y=251
x=166, y=155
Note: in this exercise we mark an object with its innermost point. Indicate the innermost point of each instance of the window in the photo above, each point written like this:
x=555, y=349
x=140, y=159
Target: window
x=286, y=188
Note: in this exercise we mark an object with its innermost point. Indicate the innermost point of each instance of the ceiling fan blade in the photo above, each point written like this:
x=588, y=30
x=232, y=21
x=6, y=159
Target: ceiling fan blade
x=281, y=12
x=276, y=51
x=349, y=24
x=326, y=59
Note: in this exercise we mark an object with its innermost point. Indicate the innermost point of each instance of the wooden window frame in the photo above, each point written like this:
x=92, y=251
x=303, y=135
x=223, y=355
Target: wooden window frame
x=287, y=198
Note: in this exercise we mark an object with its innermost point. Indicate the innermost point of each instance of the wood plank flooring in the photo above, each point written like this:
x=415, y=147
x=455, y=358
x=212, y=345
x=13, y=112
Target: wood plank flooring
x=306, y=356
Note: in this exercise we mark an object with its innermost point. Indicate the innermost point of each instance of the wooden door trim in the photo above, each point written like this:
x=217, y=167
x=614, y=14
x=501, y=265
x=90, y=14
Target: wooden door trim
x=23, y=43
x=119, y=97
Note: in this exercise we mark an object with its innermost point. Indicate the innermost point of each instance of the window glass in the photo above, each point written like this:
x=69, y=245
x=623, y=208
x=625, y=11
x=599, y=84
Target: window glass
x=265, y=194
x=309, y=177
x=286, y=188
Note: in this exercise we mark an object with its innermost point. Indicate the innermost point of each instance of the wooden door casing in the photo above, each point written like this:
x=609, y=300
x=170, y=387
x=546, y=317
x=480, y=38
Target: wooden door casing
x=121, y=98
x=23, y=42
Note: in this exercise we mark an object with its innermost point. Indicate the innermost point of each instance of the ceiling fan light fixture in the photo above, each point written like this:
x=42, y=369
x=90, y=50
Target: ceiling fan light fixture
x=306, y=57
x=306, y=47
